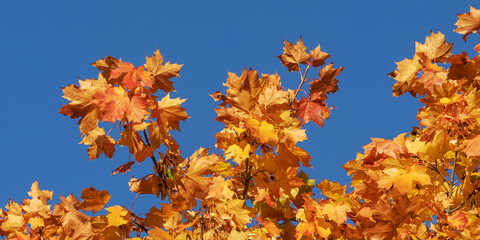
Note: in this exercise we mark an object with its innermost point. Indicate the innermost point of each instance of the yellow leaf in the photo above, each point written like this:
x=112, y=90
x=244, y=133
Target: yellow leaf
x=117, y=216
x=403, y=180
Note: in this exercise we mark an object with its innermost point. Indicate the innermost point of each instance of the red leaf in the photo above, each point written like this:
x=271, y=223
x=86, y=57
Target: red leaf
x=124, y=168
x=313, y=109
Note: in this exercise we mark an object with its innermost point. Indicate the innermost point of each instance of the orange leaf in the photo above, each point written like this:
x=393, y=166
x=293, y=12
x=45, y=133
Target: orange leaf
x=270, y=226
x=326, y=82
x=93, y=199
x=132, y=77
x=472, y=147
x=146, y=185
x=313, y=109
x=169, y=113
x=458, y=220
x=293, y=55
x=116, y=103
x=99, y=143
x=161, y=74
x=435, y=47
x=468, y=23
x=318, y=57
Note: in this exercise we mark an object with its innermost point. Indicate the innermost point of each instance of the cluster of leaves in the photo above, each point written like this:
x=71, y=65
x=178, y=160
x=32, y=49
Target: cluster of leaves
x=423, y=185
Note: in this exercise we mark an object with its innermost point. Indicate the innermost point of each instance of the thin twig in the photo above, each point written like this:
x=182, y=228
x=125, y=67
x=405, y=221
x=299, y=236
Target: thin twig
x=463, y=203
x=452, y=176
x=303, y=80
x=157, y=169
x=438, y=172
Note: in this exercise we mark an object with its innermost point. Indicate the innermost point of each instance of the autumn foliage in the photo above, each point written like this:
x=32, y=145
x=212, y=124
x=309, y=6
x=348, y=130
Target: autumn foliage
x=420, y=185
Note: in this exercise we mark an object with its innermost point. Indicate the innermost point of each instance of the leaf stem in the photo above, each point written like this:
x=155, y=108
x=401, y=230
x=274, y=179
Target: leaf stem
x=302, y=81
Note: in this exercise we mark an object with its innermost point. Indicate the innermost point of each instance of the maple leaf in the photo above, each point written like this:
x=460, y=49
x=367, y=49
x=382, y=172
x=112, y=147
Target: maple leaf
x=292, y=155
x=458, y=220
x=36, y=206
x=99, y=143
x=235, y=211
x=158, y=233
x=272, y=97
x=93, y=199
x=432, y=79
x=117, y=216
x=123, y=169
x=43, y=195
x=318, y=57
x=239, y=152
x=134, y=142
x=380, y=149
x=270, y=226
x=75, y=223
x=313, y=109
x=295, y=134
x=336, y=212
x=468, y=23
x=403, y=180
x=131, y=77
x=405, y=75
x=472, y=148
x=435, y=47
x=236, y=235
x=264, y=131
x=293, y=55
x=169, y=113
x=326, y=82
x=14, y=220
x=116, y=103
x=219, y=188
x=195, y=182
x=81, y=103
x=146, y=185
x=161, y=74
x=331, y=189
x=106, y=65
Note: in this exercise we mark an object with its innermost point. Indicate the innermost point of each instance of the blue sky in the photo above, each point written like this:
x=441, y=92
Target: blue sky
x=45, y=45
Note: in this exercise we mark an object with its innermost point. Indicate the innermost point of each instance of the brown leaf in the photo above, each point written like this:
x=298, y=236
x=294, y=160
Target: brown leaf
x=468, y=23
x=99, y=143
x=93, y=199
x=326, y=82
x=146, y=185
x=123, y=169
x=293, y=55
x=318, y=57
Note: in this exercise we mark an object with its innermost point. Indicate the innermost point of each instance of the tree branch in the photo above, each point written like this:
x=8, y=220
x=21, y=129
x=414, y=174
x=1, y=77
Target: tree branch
x=452, y=176
x=248, y=177
x=303, y=80
x=157, y=169
x=461, y=205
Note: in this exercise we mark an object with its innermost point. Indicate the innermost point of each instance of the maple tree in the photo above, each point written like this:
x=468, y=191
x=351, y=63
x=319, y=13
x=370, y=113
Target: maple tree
x=420, y=185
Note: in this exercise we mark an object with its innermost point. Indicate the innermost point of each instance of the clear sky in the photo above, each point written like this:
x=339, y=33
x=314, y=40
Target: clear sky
x=45, y=45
